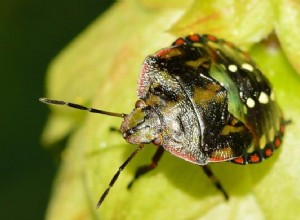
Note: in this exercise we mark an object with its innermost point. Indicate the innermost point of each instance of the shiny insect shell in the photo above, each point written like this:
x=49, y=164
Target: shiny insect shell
x=204, y=100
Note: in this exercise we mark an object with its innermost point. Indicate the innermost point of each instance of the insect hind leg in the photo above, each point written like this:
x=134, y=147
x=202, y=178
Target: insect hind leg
x=146, y=168
x=207, y=170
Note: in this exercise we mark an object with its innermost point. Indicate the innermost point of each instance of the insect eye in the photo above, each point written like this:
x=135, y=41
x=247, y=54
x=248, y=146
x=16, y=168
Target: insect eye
x=140, y=104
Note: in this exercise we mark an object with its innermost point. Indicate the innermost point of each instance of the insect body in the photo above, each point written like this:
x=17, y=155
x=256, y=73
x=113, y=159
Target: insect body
x=203, y=100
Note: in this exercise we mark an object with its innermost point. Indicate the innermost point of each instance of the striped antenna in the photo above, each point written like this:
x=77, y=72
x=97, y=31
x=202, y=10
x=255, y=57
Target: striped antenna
x=80, y=107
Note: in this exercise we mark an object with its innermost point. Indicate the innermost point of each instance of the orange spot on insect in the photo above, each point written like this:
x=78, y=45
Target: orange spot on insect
x=277, y=142
x=194, y=38
x=268, y=152
x=239, y=160
x=179, y=41
x=254, y=158
x=211, y=38
x=162, y=53
x=167, y=53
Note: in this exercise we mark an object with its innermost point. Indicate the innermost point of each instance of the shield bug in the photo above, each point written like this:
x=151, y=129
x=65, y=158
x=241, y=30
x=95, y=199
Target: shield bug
x=203, y=100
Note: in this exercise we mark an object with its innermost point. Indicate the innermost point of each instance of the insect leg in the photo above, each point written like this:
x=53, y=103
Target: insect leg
x=146, y=168
x=115, y=177
x=216, y=182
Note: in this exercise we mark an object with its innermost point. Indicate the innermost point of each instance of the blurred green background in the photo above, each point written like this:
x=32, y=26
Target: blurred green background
x=32, y=33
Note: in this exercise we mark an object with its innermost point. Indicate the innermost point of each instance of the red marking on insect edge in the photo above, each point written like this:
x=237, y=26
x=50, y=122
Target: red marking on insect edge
x=194, y=38
x=168, y=53
x=179, y=41
x=277, y=142
x=163, y=53
x=202, y=100
x=239, y=160
x=254, y=158
x=268, y=152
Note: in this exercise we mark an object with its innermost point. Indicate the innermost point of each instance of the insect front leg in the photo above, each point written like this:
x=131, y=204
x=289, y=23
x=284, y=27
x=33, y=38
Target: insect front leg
x=207, y=170
x=146, y=168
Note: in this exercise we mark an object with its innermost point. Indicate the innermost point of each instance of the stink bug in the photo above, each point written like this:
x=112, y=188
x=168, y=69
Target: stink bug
x=203, y=100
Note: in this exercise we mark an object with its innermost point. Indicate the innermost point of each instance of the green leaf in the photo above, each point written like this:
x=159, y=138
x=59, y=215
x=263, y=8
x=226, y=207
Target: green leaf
x=243, y=22
x=100, y=69
x=287, y=28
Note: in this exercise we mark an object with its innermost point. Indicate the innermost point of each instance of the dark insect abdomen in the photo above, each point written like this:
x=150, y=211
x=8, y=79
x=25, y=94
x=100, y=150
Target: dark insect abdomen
x=222, y=107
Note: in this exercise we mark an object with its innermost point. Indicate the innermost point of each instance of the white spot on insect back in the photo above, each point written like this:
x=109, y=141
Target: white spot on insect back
x=263, y=98
x=248, y=67
x=232, y=68
x=250, y=103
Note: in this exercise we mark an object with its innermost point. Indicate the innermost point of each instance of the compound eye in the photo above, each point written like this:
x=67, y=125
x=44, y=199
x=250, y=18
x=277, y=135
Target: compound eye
x=140, y=104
